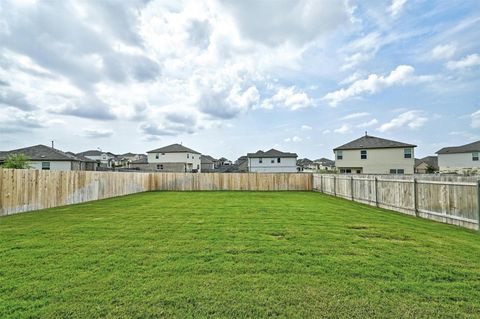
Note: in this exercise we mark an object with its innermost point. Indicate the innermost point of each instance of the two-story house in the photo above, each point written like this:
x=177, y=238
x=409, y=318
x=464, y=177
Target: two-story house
x=374, y=155
x=174, y=158
x=103, y=159
x=459, y=159
x=272, y=161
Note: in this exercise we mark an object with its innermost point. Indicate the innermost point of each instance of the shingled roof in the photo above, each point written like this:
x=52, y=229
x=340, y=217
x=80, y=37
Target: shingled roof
x=271, y=153
x=368, y=141
x=467, y=148
x=174, y=148
x=41, y=153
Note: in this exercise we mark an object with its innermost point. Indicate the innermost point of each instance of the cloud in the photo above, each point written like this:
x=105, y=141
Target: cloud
x=413, y=119
x=469, y=61
x=396, y=7
x=306, y=128
x=294, y=139
x=289, y=97
x=475, y=117
x=402, y=75
x=15, y=99
x=97, y=133
x=445, y=51
x=355, y=115
x=345, y=128
x=13, y=120
x=368, y=124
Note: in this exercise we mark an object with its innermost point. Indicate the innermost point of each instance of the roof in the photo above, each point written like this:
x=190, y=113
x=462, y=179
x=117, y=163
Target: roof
x=209, y=158
x=467, y=148
x=206, y=159
x=174, y=148
x=41, y=153
x=325, y=161
x=429, y=160
x=368, y=141
x=142, y=160
x=91, y=153
x=271, y=153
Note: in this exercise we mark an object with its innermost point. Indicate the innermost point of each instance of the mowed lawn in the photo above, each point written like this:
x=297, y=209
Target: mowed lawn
x=237, y=255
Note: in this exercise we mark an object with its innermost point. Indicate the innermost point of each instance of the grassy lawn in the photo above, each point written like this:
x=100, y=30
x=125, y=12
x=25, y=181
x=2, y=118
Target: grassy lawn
x=235, y=254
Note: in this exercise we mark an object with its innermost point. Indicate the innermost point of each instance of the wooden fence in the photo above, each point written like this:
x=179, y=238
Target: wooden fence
x=27, y=190
x=447, y=199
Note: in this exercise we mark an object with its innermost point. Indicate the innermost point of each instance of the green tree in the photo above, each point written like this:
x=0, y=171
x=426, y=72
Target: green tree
x=16, y=161
x=430, y=169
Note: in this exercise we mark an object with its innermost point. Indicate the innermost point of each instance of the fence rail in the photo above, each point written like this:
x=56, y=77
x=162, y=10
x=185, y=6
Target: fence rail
x=448, y=199
x=27, y=190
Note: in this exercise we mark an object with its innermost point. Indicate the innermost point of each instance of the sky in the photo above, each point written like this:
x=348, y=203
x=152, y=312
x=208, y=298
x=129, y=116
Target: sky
x=229, y=77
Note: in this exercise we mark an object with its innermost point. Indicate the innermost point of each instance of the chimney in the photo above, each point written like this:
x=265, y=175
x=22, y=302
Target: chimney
x=53, y=144
x=366, y=134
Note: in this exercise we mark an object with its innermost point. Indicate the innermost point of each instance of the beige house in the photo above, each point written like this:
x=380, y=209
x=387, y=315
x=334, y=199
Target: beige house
x=174, y=158
x=426, y=165
x=460, y=159
x=374, y=155
x=272, y=161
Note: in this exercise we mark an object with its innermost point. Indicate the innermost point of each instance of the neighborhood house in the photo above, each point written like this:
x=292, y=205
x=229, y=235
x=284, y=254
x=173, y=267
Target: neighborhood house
x=272, y=161
x=374, y=155
x=174, y=158
x=459, y=159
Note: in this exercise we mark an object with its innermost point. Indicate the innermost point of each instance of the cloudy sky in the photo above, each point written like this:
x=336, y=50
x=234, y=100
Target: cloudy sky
x=231, y=77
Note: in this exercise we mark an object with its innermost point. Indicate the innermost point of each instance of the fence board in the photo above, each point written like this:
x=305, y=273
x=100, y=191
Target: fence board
x=448, y=199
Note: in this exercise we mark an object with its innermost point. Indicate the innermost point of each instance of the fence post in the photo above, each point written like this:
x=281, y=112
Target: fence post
x=351, y=188
x=415, y=196
x=334, y=185
x=478, y=203
x=376, y=191
x=321, y=183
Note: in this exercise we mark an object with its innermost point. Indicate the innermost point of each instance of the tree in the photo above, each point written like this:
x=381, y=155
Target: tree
x=430, y=169
x=16, y=161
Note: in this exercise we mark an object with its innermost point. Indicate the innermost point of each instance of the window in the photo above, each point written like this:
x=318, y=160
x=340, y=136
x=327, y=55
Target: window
x=393, y=171
x=193, y=157
x=397, y=171
x=279, y=160
x=160, y=166
x=348, y=171
x=359, y=171
x=272, y=161
x=260, y=160
x=157, y=156
x=188, y=155
x=46, y=166
x=407, y=153
x=163, y=153
x=339, y=155
x=475, y=156
x=363, y=154
x=400, y=171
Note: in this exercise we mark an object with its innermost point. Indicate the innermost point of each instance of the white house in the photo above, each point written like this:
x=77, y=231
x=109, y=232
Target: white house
x=272, y=161
x=374, y=155
x=43, y=157
x=460, y=159
x=174, y=158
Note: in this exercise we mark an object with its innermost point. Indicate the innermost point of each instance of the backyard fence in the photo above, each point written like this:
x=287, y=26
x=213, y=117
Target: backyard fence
x=27, y=190
x=447, y=199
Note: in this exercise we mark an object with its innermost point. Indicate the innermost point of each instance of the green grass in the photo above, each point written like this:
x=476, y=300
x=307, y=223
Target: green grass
x=235, y=254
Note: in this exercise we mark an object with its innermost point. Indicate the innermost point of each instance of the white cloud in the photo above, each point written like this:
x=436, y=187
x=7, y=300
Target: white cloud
x=413, y=119
x=471, y=60
x=396, y=7
x=289, y=97
x=402, y=75
x=306, y=127
x=368, y=124
x=345, y=128
x=294, y=139
x=475, y=117
x=445, y=51
x=97, y=133
x=355, y=115
x=326, y=131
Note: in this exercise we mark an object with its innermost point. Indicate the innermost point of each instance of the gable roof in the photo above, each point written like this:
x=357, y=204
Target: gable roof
x=324, y=161
x=91, y=153
x=467, y=148
x=271, y=153
x=429, y=160
x=208, y=157
x=206, y=160
x=41, y=153
x=174, y=148
x=368, y=141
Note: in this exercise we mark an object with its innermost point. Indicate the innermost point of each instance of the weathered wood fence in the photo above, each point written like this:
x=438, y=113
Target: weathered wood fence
x=447, y=199
x=27, y=190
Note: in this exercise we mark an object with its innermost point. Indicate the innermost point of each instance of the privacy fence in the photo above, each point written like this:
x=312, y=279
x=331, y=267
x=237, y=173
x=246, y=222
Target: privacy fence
x=26, y=190
x=447, y=199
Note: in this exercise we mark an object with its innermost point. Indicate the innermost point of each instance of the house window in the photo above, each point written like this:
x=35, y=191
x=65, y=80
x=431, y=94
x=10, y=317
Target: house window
x=157, y=156
x=348, y=171
x=407, y=153
x=46, y=166
x=278, y=160
x=363, y=154
x=188, y=155
x=359, y=171
x=163, y=153
x=397, y=171
x=272, y=161
x=193, y=157
x=400, y=171
x=339, y=155
x=260, y=160
x=475, y=156
x=160, y=166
